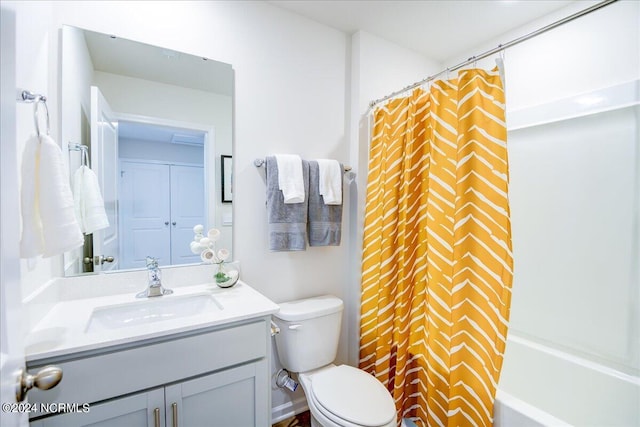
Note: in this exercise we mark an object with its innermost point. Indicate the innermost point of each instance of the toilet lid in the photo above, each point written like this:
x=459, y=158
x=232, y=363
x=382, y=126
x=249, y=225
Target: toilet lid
x=353, y=395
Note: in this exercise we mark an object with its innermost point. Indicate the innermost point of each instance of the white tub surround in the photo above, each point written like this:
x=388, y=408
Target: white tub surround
x=574, y=336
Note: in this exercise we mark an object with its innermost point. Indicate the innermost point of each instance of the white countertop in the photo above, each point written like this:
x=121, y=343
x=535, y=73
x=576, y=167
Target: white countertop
x=63, y=330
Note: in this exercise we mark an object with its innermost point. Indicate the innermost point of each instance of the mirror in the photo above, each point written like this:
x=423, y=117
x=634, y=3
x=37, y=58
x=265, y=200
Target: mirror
x=154, y=126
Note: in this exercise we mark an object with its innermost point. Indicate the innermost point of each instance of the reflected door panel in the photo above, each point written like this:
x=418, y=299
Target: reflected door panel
x=160, y=204
x=104, y=158
x=187, y=210
x=145, y=212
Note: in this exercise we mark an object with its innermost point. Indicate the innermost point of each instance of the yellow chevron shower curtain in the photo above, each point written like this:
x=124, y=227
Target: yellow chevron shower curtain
x=437, y=263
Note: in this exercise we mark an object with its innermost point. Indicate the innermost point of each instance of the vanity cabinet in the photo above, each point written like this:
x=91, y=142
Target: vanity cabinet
x=216, y=377
x=227, y=398
x=134, y=411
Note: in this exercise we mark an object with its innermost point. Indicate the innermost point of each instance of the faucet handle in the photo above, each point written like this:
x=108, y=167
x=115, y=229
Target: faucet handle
x=152, y=263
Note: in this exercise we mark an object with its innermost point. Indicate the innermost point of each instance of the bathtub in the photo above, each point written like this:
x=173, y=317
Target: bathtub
x=509, y=411
x=512, y=412
x=543, y=386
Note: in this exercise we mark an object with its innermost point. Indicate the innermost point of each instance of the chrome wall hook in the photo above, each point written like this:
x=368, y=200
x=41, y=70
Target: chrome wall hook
x=37, y=99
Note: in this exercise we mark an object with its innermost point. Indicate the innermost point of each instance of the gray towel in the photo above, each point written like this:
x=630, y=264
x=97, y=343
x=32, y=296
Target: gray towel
x=325, y=221
x=287, y=222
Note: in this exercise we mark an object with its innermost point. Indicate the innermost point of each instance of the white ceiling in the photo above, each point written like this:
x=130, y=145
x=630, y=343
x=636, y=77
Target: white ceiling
x=116, y=55
x=439, y=29
x=156, y=133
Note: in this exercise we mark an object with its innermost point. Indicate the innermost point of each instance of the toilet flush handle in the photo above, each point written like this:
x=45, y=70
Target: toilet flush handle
x=295, y=326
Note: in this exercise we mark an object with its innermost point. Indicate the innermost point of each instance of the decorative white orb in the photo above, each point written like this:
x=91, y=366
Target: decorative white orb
x=205, y=242
x=223, y=254
x=213, y=234
x=195, y=247
x=207, y=256
x=198, y=229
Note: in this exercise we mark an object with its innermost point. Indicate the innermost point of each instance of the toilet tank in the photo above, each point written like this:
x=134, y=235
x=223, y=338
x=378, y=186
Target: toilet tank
x=309, y=332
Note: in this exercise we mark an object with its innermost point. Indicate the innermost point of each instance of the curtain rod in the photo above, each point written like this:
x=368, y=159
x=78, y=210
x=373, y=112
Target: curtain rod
x=497, y=49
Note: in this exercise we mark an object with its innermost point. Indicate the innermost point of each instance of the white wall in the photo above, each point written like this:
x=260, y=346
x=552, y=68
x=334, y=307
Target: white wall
x=277, y=56
x=300, y=87
x=574, y=207
x=75, y=107
x=153, y=99
x=597, y=51
x=34, y=58
x=77, y=76
x=290, y=90
x=207, y=110
x=290, y=85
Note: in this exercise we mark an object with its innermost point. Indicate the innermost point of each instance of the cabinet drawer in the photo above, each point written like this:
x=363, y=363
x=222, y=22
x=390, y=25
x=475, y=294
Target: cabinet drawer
x=106, y=375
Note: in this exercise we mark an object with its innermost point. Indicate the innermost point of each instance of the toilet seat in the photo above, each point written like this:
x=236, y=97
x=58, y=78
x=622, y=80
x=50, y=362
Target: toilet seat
x=349, y=396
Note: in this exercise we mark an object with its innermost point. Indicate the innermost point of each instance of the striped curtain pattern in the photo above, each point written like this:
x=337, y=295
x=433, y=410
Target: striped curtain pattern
x=437, y=263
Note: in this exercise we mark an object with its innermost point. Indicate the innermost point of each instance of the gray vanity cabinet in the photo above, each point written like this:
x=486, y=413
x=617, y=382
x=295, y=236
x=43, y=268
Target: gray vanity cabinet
x=219, y=377
x=131, y=411
x=226, y=399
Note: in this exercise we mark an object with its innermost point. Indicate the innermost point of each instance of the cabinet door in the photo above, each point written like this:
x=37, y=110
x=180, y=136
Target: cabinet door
x=236, y=397
x=139, y=410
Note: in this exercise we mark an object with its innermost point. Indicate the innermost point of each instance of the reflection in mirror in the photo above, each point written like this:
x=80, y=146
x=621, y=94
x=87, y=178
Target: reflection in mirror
x=156, y=123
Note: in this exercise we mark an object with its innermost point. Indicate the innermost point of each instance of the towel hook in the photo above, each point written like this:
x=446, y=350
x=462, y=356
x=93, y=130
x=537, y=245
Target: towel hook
x=37, y=99
x=84, y=152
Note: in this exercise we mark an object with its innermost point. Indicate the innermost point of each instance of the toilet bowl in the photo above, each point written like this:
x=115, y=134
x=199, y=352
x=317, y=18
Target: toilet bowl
x=337, y=396
x=344, y=396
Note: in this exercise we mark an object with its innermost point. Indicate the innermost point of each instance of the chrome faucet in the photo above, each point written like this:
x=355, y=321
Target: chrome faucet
x=154, y=287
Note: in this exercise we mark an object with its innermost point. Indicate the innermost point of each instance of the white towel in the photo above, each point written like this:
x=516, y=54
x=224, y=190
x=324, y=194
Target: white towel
x=89, y=205
x=49, y=222
x=330, y=181
x=31, y=243
x=290, y=179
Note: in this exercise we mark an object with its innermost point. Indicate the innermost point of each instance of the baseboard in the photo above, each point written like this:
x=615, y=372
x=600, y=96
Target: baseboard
x=288, y=410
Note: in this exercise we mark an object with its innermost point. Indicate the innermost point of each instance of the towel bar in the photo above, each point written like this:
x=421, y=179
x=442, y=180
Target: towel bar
x=260, y=162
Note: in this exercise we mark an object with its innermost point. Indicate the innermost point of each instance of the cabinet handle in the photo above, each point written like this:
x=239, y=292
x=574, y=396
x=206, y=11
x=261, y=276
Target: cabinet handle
x=156, y=417
x=174, y=413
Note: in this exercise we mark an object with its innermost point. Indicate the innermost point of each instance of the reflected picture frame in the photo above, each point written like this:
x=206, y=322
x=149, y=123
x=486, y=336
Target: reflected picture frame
x=226, y=163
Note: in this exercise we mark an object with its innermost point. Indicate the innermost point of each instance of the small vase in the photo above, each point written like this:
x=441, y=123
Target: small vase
x=226, y=274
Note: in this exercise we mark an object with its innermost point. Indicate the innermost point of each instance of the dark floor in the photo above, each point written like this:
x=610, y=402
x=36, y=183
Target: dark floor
x=300, y=420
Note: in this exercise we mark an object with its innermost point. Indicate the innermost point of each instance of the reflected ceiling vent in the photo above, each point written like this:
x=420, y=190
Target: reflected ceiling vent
x=197, y=140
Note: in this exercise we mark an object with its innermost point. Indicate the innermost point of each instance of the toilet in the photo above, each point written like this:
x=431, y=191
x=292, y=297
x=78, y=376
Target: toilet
x=338, y=396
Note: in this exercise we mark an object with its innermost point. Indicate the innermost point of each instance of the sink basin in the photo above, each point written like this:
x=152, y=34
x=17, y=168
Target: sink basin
x=151, y=310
